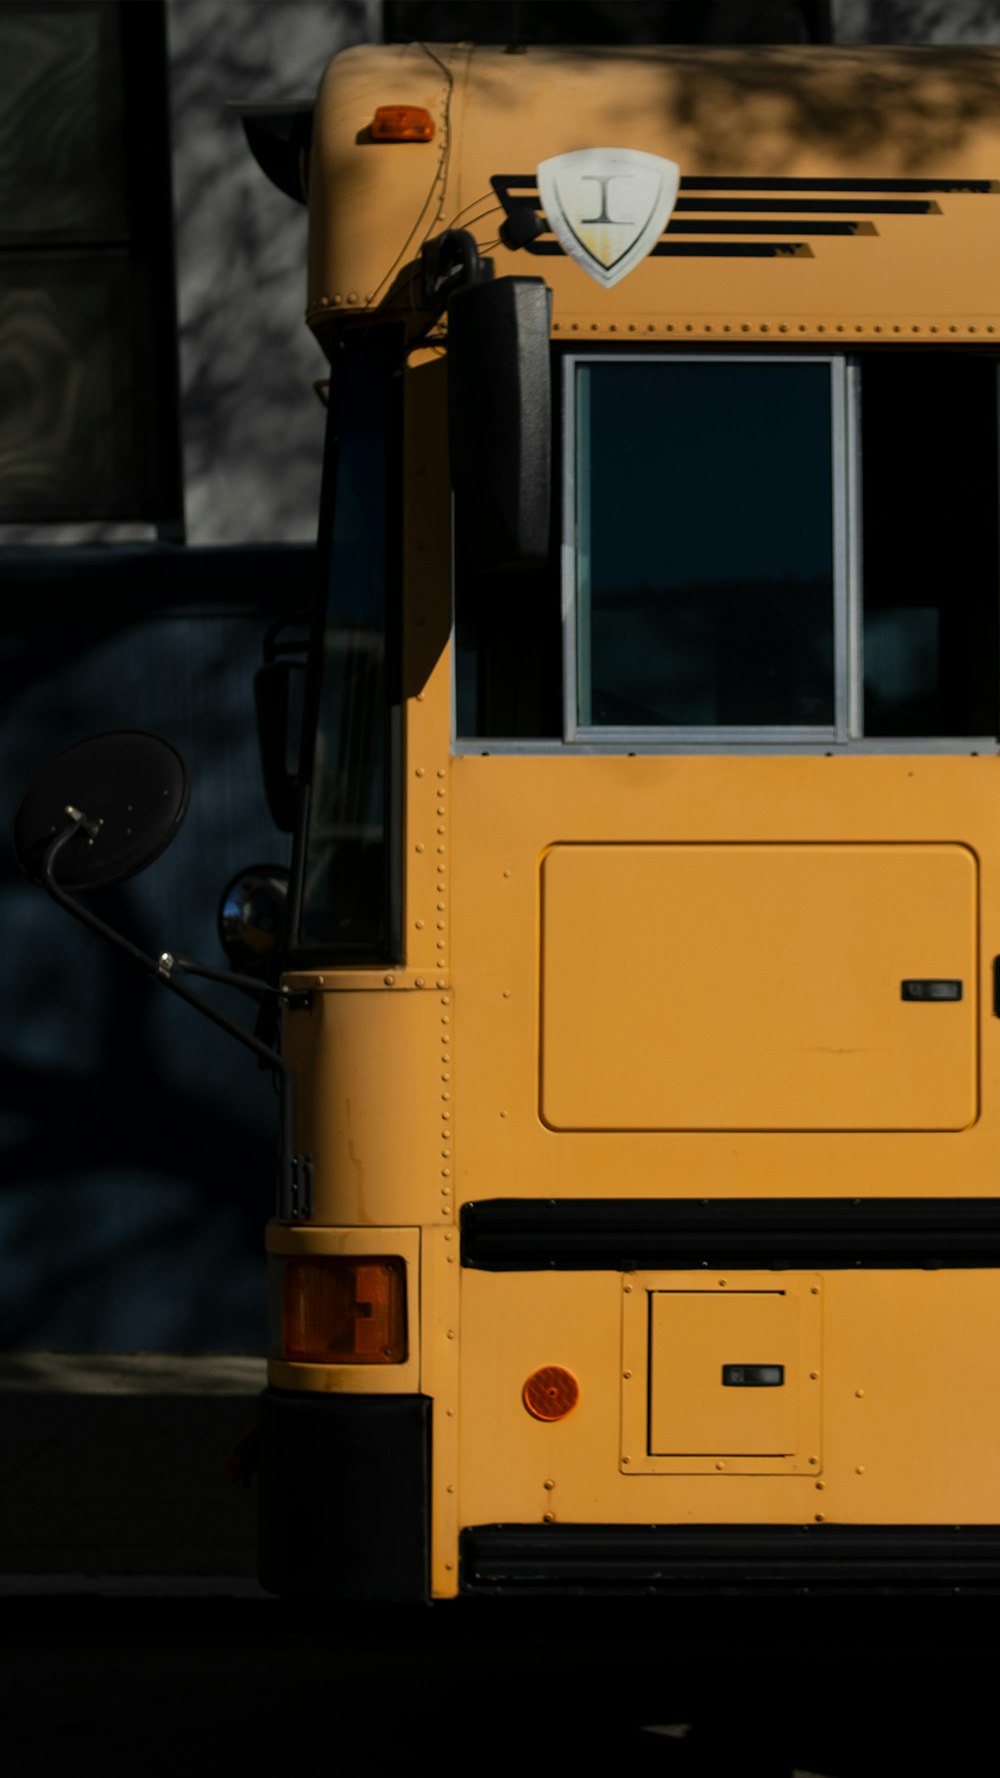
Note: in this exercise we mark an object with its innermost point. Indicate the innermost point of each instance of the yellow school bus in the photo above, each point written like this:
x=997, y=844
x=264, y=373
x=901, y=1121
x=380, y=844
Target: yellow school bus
x=642, y=967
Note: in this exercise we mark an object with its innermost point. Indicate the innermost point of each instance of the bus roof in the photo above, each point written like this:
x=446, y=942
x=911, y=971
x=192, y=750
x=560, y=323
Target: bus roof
x=824, y=194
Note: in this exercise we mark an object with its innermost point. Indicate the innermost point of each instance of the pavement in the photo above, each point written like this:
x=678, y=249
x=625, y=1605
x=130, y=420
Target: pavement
x=113, y=1475
x=127, y=1551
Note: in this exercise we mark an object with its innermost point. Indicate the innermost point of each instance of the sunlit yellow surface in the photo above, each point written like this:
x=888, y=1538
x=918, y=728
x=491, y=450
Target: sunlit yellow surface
x=803, y=113
x=756, y=987
x=895, y=1427
x=666, y=976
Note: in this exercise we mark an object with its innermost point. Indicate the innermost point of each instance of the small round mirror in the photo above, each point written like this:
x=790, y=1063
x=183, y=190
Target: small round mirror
x=251, y=915
x=133, y=789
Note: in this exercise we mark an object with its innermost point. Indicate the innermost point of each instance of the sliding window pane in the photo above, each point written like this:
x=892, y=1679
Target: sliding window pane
x=704, y=526
x=931, y=556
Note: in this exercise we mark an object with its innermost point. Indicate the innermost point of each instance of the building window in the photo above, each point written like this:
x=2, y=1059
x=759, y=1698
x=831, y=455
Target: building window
x=88, y=352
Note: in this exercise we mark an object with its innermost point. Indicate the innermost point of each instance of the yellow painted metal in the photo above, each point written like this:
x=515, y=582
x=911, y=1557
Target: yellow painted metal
x=284, y=1242
x=373, y=1113
x=440, y=1344
x=678, y=1331
x=421, y=1085
x=693, y=1417
x=909, y=1374
x=374, y=1053
x=427, y=670
x=502, y=817
x=508, y=814
x=368, y=1104
x=512, y=1324
x=349, y=175
x=805, y=114
x=355, y=980
x=309, y=1238
x=756, y=987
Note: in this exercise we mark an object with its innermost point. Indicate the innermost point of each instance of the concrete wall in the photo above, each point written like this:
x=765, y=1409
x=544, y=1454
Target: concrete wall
x=252, y=426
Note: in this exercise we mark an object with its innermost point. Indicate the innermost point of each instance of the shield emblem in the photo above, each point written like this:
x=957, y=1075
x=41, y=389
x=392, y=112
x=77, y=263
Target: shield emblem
x=607, y=207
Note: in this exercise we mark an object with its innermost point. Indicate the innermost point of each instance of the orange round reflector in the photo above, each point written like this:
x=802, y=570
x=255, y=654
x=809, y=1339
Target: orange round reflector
x=551, y=1392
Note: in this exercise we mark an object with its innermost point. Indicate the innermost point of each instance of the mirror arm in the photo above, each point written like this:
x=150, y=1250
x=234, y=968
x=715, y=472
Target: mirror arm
x=152, y=965
x=292, y=1189
x=231, y=978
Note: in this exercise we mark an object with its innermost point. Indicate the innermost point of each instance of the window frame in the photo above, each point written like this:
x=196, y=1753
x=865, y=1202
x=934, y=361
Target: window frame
x=845, y=516
x=846, y=735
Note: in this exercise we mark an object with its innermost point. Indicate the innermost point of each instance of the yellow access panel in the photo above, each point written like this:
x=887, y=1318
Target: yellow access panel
x=758, y=987
x=703, y=1405
x=720, y=1374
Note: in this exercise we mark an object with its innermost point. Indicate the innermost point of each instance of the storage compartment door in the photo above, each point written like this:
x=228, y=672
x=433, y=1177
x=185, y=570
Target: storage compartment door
x=746, y=987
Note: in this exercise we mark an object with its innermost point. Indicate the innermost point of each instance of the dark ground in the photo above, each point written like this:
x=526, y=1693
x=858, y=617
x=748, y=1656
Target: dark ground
x=191, y=1685
x=134, y=1637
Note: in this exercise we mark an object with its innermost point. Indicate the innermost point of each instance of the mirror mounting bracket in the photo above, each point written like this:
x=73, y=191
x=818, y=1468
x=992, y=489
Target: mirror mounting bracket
x=450, y=262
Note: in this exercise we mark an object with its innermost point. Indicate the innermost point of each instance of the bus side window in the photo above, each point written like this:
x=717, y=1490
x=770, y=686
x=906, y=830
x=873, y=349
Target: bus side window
x=508, y=652
x=930, y=533
x=704, y=520
x=712, y=506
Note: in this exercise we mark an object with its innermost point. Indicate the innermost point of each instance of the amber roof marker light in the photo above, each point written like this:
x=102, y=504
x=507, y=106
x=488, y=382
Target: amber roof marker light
x=402, y=123
x=551, y=1392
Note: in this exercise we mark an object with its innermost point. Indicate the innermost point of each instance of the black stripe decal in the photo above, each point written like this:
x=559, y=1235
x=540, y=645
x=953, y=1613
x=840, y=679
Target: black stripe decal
x=975, y=187
x=761, y=215
x=811, y=207
x=703, y=249
x=528, y=183
x=753, y=225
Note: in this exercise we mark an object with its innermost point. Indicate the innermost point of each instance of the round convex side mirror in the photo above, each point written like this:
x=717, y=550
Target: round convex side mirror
x=251, y=916
x=133, y=791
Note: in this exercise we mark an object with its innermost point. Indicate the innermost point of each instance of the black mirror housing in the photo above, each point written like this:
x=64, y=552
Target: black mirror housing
x=127, y=794
x=500, y=418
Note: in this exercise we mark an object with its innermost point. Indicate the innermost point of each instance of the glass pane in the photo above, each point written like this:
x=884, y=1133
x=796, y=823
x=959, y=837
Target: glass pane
x=345, y=888
x=75, y=433
x=62, y=150
x=503, y=689
x=705, y=544
x=930, y=530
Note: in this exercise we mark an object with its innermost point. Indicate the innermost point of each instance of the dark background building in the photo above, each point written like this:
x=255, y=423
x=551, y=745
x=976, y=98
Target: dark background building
x=159, y=470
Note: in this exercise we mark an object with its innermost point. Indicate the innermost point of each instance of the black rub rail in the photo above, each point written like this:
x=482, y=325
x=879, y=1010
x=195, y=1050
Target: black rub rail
x=676, y=1234
x=730, y=1559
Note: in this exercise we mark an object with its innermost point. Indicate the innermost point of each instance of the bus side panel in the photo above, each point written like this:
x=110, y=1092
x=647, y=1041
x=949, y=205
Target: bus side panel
x=368, y=1102
x=890, y=1377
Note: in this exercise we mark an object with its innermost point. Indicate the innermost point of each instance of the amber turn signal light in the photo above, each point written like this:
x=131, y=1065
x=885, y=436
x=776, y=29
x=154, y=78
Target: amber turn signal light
x=344, y=1310
x=551, y=1392
x=402, y=123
